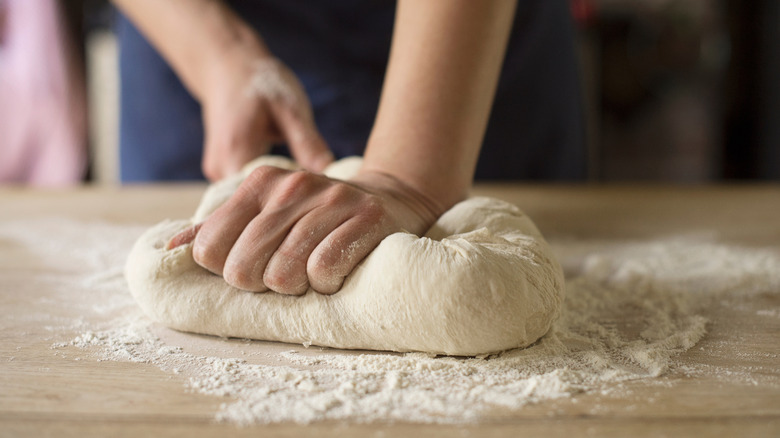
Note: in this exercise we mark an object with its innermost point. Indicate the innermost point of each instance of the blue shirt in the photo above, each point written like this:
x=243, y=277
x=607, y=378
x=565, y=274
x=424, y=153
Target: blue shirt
x=339, y=50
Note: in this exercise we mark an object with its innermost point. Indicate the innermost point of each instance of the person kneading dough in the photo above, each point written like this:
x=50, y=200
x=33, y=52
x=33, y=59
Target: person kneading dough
x=289, y=231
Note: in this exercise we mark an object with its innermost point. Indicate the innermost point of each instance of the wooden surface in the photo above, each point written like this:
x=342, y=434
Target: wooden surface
x=45, y=394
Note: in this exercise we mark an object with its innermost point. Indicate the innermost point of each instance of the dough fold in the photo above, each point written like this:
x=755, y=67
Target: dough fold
x=482, y=280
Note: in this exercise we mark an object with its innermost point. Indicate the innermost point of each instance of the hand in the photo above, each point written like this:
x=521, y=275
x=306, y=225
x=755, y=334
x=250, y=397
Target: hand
x=249, y=99
x=248, y=106
x=286, y=231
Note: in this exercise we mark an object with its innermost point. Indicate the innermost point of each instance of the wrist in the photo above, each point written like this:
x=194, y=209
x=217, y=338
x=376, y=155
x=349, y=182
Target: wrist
x=427, y=208
x=228, y=59
x=441, y=180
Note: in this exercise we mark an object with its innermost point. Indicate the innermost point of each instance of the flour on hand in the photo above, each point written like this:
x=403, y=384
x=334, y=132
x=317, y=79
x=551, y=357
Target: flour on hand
x=482, y=280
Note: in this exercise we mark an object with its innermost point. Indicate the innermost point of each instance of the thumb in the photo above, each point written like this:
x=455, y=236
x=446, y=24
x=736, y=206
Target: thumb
x=184, y=237
x=306, y=144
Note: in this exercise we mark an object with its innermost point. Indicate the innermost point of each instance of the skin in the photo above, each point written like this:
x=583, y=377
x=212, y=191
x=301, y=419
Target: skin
x=288, y=231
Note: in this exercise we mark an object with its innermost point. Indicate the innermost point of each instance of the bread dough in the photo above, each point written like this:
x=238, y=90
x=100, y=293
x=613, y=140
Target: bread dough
x=482, y=280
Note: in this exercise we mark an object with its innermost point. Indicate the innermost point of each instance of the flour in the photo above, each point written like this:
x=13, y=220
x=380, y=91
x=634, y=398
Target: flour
x=631, y=309
x=273, y=80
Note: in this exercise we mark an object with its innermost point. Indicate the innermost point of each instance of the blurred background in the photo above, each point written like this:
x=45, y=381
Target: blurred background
x=675, y=90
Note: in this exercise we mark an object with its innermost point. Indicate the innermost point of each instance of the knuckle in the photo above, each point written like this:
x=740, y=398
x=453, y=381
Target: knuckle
x=255, y=184
x=241, y=276
x=295, y=185
x=199, y=253
x=284, y=282
x=262, y=176
x=321, y=272
x=339, y=194
x=205, y=256
x=300, y=179
x=326, y=284
x=321, y=263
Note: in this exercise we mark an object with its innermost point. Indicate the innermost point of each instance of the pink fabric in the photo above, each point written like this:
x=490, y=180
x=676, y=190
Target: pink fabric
x=42, y=103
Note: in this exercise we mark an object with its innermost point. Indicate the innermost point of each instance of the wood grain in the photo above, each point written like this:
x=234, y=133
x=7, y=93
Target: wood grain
x=67, y=393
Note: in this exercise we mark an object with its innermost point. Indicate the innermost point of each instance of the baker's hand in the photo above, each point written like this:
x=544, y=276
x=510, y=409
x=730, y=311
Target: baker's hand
x=286, y=231
x=250, y=104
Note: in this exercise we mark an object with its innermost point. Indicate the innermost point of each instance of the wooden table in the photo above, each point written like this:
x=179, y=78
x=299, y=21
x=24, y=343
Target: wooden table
x=43, y=394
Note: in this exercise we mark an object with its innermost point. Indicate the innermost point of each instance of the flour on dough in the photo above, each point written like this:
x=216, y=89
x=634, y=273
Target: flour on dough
x=482, y=280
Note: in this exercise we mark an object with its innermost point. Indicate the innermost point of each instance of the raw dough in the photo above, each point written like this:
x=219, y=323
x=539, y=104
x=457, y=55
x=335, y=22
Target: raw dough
x=482, y=280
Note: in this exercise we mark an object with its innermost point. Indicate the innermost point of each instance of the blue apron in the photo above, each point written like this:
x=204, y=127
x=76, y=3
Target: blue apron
x=339, y=51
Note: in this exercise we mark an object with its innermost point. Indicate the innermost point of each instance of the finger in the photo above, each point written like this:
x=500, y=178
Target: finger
x=285, y=272
x=303, y=138
x=184, y=237
x=339, y=253
x=219, y=232
x=246, y=261
x=290, y=200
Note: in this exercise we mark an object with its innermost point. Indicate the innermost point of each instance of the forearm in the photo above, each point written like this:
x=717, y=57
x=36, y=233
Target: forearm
x=195, y=36
x=441, y=79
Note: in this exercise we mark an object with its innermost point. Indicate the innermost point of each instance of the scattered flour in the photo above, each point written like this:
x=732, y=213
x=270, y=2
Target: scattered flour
x=774, y=313
x=631, y=307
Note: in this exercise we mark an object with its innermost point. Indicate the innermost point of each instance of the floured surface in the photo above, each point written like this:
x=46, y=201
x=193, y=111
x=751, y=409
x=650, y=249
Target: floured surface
x=631, y=309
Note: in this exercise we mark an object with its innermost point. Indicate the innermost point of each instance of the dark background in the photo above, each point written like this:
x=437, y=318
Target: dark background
x=676, y=90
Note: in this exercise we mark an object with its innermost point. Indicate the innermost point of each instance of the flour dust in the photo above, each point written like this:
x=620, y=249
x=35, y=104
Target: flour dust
x=631, y=308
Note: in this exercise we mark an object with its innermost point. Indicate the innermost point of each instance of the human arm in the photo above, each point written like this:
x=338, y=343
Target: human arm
x=439, y=88
x=290, y=230
x=226, y=66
